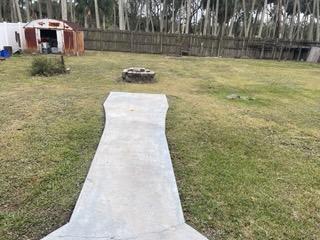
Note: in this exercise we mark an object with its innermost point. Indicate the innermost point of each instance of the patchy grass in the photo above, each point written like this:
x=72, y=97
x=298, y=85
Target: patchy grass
x=245, y=169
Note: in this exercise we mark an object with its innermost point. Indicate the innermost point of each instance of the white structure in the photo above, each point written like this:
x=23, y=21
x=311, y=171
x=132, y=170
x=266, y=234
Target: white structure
x=12, y=34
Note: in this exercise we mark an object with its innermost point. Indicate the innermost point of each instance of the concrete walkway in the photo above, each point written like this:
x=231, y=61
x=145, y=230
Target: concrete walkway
x=130, y=192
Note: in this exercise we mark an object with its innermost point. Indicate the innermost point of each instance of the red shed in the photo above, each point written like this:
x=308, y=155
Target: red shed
x=54, y=36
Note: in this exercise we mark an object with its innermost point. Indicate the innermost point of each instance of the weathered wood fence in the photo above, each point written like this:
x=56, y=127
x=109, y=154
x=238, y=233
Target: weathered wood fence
x=194, y=45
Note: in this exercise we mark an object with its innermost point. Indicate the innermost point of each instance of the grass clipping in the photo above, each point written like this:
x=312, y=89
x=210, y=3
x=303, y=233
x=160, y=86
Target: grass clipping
x=48, y=66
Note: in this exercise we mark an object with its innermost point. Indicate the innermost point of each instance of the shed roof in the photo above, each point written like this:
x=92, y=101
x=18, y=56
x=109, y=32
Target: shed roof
x=53, y=24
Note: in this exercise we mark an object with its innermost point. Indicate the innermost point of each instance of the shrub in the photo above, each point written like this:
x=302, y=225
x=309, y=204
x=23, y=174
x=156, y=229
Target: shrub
x=47, y=66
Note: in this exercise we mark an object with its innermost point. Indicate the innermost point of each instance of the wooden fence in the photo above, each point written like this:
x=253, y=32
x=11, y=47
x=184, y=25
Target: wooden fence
x=194, y=45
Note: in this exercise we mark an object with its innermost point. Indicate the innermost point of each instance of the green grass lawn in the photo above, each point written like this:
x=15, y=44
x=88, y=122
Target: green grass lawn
x=246, y=169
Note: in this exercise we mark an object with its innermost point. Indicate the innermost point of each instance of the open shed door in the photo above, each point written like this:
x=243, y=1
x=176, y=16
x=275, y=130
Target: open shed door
x=31, y=39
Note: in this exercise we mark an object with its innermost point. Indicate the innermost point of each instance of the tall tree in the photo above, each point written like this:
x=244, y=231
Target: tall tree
x=162, y=13
x=64, y=10
x=216, y=16
x=40, y=8
x=233, y=18
x=17, y=7
x=49, y=8
x=72, y=11
x=223, y=28
x=248, y=25
x=292, y=22
x=122, y=23
x=173, y=17
x=1, y=16
x=318, y=21
x=126, y=16
x=28, y=10
x=13, y=11
x=263, y=14
x=187, y=30
x=96, y=8
x=206, y=18
x=311, y=25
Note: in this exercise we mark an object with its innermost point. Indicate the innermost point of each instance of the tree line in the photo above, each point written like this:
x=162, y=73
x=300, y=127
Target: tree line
x=269, y=19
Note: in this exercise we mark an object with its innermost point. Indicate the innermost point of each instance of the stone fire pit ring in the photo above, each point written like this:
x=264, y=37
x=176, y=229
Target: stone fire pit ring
x=138, y=74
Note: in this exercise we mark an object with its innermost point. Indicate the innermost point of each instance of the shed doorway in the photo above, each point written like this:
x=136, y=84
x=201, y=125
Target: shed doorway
x=49, y=41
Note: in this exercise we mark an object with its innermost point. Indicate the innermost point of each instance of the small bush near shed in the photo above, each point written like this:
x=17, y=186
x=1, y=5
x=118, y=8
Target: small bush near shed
x=47, y=66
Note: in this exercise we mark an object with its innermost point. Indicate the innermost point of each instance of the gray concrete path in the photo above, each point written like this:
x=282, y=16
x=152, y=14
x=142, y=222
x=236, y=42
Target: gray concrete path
x=130, y=191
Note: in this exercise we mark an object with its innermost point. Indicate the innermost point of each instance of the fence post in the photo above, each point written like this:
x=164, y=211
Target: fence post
x=190, y=44
x=131, y=42
x=218, y=47
x=281, y=50
x=100, y=40
x=243, y=46
x=161, y=47
x=262, y=50
x=212, y=41
x=289, y=50
x=299, y=54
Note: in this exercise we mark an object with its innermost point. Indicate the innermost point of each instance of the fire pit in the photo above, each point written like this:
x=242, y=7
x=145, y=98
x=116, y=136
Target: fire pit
x=136, y=74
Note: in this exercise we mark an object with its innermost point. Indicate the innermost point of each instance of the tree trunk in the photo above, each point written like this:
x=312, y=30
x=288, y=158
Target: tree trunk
x=311, y=25
x=225, y=18
x=162, y=15
x=299, y=21
x=166, y=18
x=233, y=18
x=114, y=15
x=137, y=27
x=206, y=18
x=212, y=20
x=122, y=23
x=13, y=11
x=173, y=18
x=303, y=28
x=201, y=27
x=276, y=21
x=104, y=21
x=28, y=10
x=16, y=3
x=318, y=21
x=244, y=17
x=150, y=15
x=252, y=29
x=180, y=17
x=285, y=17
x=126, y=17
x=49, y=8
x=71, y=7
x=196, y=21
x=1, y=17
x=262, y=18
x=292, y=20
x=40, y=8
x=250, y=19
x=188, y=16
x=281, y=19
x=147, y=15
x=216, y=16
x=85, y=15
x=96, y=9
x=64, y=10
